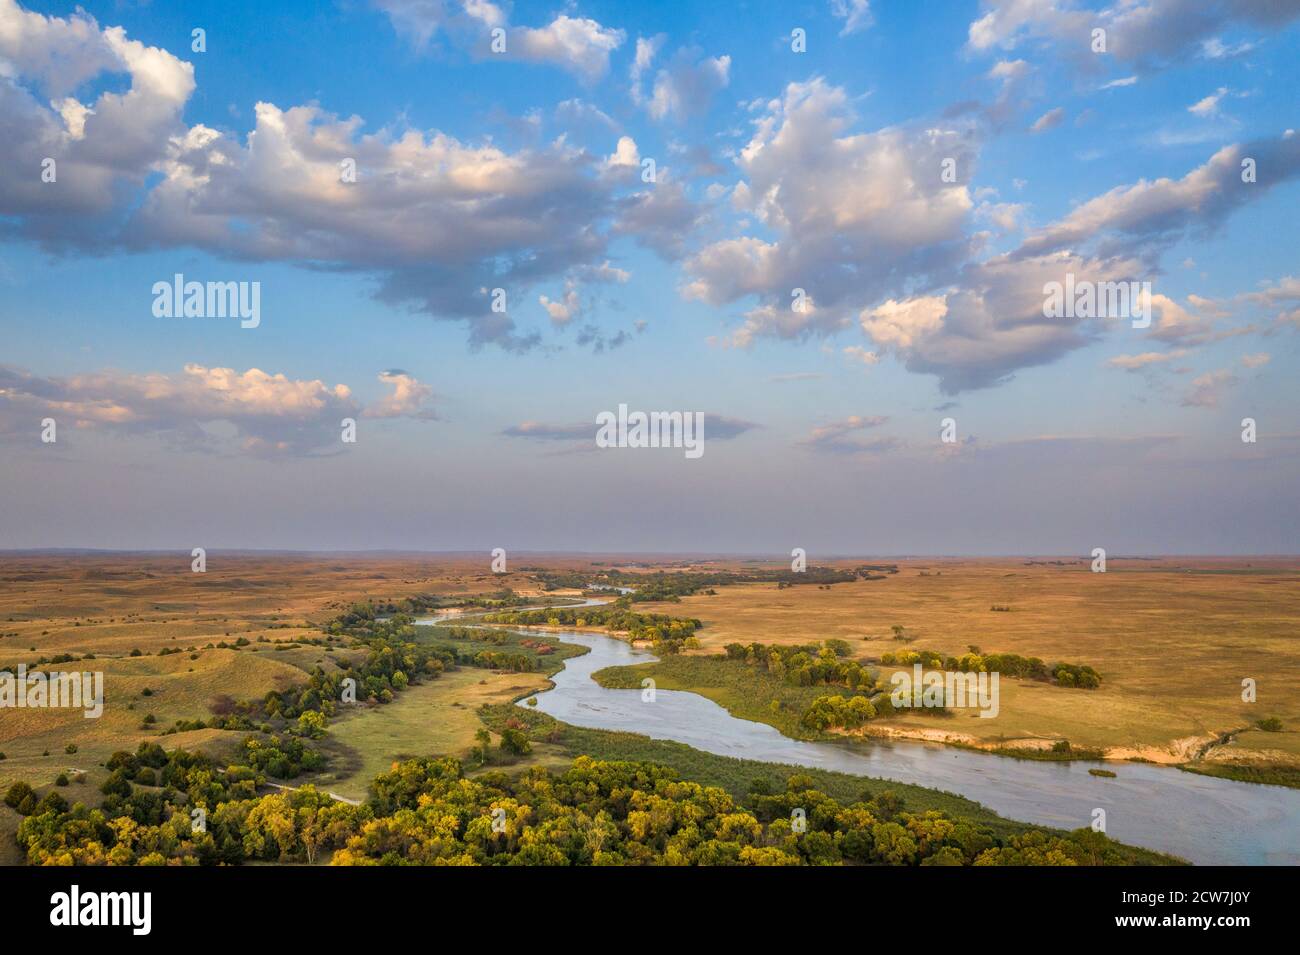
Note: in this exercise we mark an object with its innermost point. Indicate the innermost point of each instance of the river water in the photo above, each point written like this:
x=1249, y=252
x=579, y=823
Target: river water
x=1201, y=819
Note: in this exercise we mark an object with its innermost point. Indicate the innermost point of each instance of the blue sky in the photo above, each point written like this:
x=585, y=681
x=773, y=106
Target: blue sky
x=775, y=169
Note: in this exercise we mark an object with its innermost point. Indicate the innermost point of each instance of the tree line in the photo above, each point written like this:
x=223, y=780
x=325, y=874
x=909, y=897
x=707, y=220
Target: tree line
x=426, y=812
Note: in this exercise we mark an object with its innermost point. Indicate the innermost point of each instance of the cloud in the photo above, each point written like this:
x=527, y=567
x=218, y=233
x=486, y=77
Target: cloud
x=647, y=48
x=600, y=342
x=1258, y=360
x=1215, y=49
x=1144, y=34
x=438, y=221
x=1209, y=105
x=1163, y=210
x=838, y=437
x=1143, y=361
x=1286, y=289
x=118, y=137
x=569, y=306
x=722, y=428
x=552, y=432
x=902, y=324
x=271, y=414
x=1208, y=389
x=853, y=223
x=661, y=217
x=852, y=216
x=603, y=272
x=1012, y=77
x=578, y=114
x=991, y=322
x=860, y=354
x=1049, y=120
x=1175, y=324
x=419, y=20
x=578, y=45
x=685, y=86
x=856, y=15
x=409, y=398
x=1006, y=216
x=442, y=222
x=564, y=310
x=1284, y=296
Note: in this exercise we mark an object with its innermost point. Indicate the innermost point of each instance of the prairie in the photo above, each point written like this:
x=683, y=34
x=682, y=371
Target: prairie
x=436, y=718
x=1172, y=638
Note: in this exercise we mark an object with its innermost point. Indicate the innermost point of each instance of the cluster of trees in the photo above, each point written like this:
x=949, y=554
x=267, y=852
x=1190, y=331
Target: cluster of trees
x=567, y=580
x=624, y=813
x=848, y=712
x=360, y=614
x=425, y=811
x=498, y=660
x=150, y=816
x=502, y=598
x=668, y=634
x=1007, y=664
x=1071, y=674
x=234, y=722
x=813, y=664
x=479, y=634
x=905, y=658
x=672, y=586
x=393, y=662
x=287, y=757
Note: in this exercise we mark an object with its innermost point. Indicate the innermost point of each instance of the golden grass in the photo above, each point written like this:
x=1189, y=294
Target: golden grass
x=1173, y=640
x=436, y=718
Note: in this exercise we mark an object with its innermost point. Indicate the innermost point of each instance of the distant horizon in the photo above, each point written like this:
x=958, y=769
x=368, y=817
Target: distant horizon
x=695, y=555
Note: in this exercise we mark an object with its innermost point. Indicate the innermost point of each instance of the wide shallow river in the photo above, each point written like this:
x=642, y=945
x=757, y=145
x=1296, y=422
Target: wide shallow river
x=1201, y=819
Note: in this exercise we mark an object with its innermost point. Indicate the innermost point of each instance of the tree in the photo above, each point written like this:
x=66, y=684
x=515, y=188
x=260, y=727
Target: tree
x=311, y=723
x=17, y=793
x=515, y=741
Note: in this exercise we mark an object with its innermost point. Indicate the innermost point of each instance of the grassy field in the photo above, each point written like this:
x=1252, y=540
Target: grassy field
x=748, y=692
x=1173, y=640
x=436, y=718
x=111, y=604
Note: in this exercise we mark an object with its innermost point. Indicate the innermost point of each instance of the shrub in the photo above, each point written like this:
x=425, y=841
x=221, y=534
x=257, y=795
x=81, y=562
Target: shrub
x=515, y=741
x=17, y=793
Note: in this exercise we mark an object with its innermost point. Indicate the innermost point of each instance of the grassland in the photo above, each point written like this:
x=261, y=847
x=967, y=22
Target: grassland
x=109, y=605
x=1173, y=640
x=436, y=718
x=747, y=692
